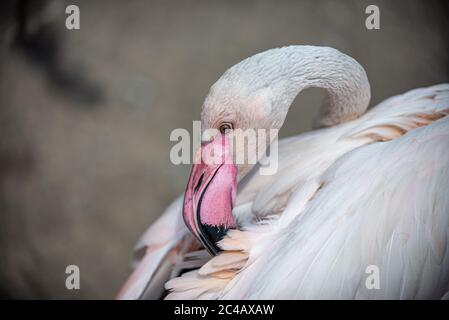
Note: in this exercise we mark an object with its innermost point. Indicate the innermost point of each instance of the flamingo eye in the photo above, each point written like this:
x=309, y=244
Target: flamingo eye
x=226, y=127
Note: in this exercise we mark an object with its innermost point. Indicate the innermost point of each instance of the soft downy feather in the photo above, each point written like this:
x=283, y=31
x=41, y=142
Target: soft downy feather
x=159, y=248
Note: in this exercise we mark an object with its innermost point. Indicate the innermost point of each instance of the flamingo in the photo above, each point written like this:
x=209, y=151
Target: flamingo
x=366, y=188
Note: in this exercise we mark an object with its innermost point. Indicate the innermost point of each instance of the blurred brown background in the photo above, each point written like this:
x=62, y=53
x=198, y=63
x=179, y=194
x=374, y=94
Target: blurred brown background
x=85, y=116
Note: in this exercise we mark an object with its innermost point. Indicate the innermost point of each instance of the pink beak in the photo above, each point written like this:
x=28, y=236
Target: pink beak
x=211, y=193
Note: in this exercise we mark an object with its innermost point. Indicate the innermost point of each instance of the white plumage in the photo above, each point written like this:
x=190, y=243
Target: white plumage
x=369, y=191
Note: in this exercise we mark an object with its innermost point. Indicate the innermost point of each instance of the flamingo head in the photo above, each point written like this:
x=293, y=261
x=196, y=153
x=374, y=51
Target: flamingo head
x=233, y=132
x=229, y=116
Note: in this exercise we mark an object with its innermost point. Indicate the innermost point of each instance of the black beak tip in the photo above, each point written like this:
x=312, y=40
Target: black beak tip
x=211, y=235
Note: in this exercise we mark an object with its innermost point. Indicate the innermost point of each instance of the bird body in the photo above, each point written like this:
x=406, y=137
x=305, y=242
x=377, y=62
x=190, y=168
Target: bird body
x=366, y=192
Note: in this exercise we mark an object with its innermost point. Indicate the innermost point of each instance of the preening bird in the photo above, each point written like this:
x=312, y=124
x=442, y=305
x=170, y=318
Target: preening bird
x=368, y=188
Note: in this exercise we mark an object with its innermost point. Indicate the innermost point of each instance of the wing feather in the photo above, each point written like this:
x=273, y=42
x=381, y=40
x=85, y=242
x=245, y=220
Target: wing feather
x=395, y=215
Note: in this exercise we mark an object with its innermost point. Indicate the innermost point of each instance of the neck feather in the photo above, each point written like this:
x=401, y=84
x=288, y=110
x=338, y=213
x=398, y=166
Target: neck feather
x=289, y=70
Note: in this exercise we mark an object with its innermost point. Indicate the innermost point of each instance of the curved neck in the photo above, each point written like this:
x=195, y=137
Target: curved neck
x=289, y=70
x=344, y=79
